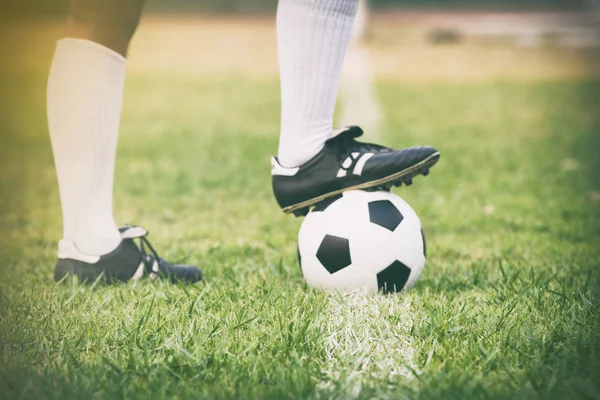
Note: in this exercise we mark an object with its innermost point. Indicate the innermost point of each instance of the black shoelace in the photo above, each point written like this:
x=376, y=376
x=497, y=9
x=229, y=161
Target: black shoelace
x=346, y=145
x=148, y=258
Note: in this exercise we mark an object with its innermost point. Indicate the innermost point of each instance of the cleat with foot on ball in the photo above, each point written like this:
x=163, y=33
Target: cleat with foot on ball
x=346, y=164
x=129, y=261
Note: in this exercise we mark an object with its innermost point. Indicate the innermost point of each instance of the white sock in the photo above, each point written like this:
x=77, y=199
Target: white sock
x=85, y=91
x=312, y=38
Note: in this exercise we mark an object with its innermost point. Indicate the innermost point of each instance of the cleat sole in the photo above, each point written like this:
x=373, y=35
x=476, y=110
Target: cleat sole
x=301, y=209
x=302, y=212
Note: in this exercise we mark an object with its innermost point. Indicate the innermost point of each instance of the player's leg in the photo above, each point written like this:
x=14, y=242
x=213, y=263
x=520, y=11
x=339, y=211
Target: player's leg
x=109, y=23
x=312, y=37
x=85, y=90
x=315, y=162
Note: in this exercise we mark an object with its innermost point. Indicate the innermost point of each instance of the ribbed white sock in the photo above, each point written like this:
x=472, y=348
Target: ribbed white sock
x=312, y=38
x=85, y=91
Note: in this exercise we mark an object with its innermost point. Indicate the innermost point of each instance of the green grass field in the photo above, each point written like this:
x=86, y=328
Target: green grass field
x=508, y=305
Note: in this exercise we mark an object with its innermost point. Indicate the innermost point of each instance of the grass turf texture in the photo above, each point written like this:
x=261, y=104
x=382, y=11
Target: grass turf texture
x=507, y=306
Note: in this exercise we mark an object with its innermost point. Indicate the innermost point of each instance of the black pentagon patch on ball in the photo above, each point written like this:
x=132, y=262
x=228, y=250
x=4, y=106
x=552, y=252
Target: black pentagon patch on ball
x=385, y=214
x=334, y=253
x=393, y=278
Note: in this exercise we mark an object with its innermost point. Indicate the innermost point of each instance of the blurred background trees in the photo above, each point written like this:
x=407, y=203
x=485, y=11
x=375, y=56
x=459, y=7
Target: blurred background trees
x=37, y=7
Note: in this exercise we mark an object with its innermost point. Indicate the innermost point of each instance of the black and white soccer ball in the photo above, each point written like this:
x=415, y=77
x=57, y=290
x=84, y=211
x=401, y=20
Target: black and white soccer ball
x=362, y=240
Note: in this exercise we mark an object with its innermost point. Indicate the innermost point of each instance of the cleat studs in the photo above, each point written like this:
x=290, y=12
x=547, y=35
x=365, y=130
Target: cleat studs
x=425, y=171
x=398, y=183
x=387, y=187
x=302, y=212
x=408, y=181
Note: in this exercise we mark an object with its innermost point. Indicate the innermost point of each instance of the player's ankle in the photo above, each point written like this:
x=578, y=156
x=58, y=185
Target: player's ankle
x=293, y=153
x=96, y=243
x=295, y=159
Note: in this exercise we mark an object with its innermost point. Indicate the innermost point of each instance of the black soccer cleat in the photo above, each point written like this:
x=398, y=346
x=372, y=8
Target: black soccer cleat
x=127, y=262
x=345, y=164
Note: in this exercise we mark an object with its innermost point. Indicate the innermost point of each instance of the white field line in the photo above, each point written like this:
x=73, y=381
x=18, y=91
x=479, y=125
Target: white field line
x=358, y=100
x=364, y=344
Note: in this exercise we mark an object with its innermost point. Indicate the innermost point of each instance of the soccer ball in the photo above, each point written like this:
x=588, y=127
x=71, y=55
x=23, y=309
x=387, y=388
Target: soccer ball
x=368, y=240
